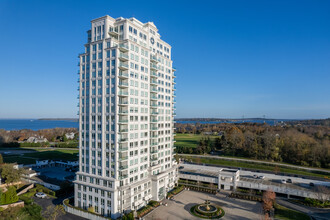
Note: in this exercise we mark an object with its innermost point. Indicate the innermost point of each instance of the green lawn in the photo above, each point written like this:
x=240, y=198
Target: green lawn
x=251, y=165
x=288, y=214
x=18, y=159
x=42, y=154
x=190, y=140
x=54, y=155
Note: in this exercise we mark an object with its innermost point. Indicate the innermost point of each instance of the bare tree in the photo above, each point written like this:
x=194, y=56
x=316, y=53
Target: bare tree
x=52, y=213
x=322, y=193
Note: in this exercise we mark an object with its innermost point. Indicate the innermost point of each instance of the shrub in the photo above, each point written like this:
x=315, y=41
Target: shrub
x=10, y=196
x=153, y=203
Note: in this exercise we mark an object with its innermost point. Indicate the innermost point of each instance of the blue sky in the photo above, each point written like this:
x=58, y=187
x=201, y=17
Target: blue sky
x=233, y=58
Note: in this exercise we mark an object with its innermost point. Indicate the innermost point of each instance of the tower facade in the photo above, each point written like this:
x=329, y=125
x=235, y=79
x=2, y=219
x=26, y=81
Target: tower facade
x=126, y=117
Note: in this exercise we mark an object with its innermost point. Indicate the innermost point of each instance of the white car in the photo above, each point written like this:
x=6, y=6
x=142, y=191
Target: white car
x=255, y=176
x=283, y=181
x=262, y=177
x=41, y=195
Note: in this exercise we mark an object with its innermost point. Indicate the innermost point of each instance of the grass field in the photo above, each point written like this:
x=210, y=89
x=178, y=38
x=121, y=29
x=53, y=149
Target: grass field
x=190, y=140
x=42, y=154
x=251, y=165
x=288, y=214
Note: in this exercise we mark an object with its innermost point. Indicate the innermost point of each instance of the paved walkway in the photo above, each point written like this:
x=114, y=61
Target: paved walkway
x=179, y=208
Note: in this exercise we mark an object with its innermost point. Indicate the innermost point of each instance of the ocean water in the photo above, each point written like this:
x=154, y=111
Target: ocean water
x=35, y=124
x=270, y=122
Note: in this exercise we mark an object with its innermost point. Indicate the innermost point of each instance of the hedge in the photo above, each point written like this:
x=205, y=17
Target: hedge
x=246, y=197
x=176, y=190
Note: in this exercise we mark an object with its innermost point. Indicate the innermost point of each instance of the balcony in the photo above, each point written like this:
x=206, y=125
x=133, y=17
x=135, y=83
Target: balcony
x=122, y=158
x=113, y=31
x=153, y=89
x=154, y=59
x=153, y=66
x=154, y=151
x=122, y=140
x=154, y=97
x=174, y=75
x=154, y=136
x=154, y=82
x=154, y=113
x=123, y=130
x=154, y=144
x=122, y=121
x=123, y=57
x=123, y=47
x=153, y=105
x=123, y=112
x=123, y=84
x=154, y=121
x=122, y=149
x=173, y=69
x=122, y=102
x=121, y=177
x=123, y=66
x=122, y=74
x=123, y=93
x=154, y=128
x=153, y=158
x=123, y=167
x=153, y=73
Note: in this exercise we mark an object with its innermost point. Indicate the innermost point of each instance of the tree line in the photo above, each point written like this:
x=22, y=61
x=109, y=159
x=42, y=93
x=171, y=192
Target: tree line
x=307, y=145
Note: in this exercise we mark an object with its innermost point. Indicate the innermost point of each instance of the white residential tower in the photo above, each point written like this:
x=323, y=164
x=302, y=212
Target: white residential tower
x=126, y=117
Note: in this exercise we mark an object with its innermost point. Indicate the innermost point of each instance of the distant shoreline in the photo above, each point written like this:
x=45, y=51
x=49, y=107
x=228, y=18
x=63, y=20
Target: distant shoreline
x=59, y=119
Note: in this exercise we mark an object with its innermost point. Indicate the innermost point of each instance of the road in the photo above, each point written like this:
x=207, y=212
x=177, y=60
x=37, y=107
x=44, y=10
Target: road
x=315, y=213
x=258, y=161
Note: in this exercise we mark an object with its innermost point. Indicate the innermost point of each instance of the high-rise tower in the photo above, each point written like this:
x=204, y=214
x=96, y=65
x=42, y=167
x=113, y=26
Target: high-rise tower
x=126, y=117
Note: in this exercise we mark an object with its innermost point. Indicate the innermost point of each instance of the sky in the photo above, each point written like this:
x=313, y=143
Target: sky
x=233, y=58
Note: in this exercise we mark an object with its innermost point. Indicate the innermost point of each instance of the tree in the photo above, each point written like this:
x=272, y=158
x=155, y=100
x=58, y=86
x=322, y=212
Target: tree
x=52, y=213
x=322, y=193
x=9, y=173
x=177, y=158
x=10, y=196
x=1, y=159
x=268, y=199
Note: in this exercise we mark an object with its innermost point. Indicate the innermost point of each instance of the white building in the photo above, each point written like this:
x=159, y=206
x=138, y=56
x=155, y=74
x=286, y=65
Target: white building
x=126, y=117
x=69, y=136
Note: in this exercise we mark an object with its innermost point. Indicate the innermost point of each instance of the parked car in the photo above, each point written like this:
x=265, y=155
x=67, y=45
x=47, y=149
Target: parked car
x=289, y=180
x=311, y=184
x=255, y=176
x=41, y=195
x=262, y=177
x=283, y=181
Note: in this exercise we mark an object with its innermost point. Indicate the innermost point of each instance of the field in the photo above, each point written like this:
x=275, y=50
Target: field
x=41, y=154
x=190, y=140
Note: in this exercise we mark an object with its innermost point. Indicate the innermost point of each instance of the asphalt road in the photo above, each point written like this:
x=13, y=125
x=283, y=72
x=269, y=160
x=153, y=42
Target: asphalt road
x=257, y=161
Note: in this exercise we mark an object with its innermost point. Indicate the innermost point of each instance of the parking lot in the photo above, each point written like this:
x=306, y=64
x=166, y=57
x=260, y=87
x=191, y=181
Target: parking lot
x=46, y=202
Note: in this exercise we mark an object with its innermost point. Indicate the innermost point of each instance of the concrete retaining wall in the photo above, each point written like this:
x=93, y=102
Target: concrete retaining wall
x=26, y=189
x=19, y=203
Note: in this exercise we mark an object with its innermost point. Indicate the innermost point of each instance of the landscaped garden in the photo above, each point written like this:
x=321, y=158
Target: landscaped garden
x=207, y=210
